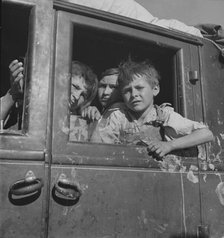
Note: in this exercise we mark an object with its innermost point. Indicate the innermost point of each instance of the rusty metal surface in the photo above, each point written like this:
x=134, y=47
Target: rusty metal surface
x=39, y=50
x=21, y=216
x=25, y=216
x=125, y=203
x=212, y=198
x=124, y=192
x=212, y=68
x=114, y=206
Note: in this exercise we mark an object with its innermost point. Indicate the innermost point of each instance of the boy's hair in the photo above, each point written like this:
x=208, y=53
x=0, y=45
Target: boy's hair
x=129, y=69
x=83, y=70
x=110, y=71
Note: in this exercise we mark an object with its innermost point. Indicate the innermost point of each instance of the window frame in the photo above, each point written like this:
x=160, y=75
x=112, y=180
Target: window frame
x=66, y=152
x=30, y=142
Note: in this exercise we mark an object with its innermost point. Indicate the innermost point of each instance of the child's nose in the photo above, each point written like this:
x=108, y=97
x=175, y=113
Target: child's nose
x=134, y=92
x=107, y=90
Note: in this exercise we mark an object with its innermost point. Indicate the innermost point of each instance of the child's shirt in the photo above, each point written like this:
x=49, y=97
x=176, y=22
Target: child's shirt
x=119, y=125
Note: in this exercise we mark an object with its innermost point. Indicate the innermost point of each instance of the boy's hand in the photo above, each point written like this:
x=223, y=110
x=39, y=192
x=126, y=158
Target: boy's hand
x=91, y=113
x=16, y=78
x=159, y=148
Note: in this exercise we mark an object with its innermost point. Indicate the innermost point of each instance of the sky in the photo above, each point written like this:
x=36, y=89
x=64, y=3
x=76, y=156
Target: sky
x=191, y=12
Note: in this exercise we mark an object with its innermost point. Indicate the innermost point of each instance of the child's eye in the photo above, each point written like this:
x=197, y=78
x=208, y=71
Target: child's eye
x=102, y=86
x=139, y=88
x=113, y=86
x=75, y=86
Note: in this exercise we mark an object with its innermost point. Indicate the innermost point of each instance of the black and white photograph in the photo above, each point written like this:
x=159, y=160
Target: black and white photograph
x=112, y=119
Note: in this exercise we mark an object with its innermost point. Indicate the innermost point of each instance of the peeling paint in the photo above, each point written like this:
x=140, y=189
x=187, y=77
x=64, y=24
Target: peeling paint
x=220, y=192
x=204, y=165
x=63, y=126
x=141, y=150
x=143, y=217
x=65, y=211
x=84, y=187
x=219, y=175
x=30, y=176
x=70, y=159
x=191, y=177
x=172, y=163
x=108, y=158
x=211, y=166
x=201, y=152
x=219, y=118
x=220, y=151
x=205, y=177
x=159, y=228
x=222, y=135
x=193, y=168
x=73, y=173
x=216, y=156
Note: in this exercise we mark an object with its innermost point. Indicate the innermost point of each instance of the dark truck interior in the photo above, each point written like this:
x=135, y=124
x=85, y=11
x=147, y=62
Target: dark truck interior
x=105, y=49
x=14, y=38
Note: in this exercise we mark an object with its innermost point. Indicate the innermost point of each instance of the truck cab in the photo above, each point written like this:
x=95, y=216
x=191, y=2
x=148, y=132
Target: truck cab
x=52, y=186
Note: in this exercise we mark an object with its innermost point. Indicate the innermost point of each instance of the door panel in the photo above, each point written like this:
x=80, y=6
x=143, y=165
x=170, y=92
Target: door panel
x=212, y=176
x=22, y=152
x=100, y=190
x=21, y=215
x=212, y=70
x=125, y=203
x=212, y=196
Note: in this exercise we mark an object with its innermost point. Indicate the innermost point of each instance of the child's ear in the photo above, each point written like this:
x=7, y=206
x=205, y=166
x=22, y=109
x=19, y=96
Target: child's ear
x=156, y=90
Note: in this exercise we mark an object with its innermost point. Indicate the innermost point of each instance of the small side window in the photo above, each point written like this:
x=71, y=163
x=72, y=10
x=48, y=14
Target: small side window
x=102, y=50
x=14, y=45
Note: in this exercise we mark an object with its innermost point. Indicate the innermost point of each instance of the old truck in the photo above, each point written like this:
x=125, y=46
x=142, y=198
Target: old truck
x=52, y=187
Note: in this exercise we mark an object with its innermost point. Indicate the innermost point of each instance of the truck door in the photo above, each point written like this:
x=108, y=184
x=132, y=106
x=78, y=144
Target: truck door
x=212, y=176
x=26, y=27
x=100, y=190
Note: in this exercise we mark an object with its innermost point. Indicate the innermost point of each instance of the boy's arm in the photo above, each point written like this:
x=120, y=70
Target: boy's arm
x=197, y=137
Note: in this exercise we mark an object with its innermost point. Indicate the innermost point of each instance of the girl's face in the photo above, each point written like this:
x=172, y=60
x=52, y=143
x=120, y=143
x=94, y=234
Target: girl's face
x=138, y=94
x=78, y=91
x=107, y=90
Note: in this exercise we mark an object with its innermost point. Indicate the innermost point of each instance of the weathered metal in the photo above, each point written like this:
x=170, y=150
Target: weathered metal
x=98, y=190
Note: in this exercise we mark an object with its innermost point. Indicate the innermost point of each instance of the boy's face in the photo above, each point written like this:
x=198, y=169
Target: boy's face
x=138, y=94
x=107, y=90
x=78, y=91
